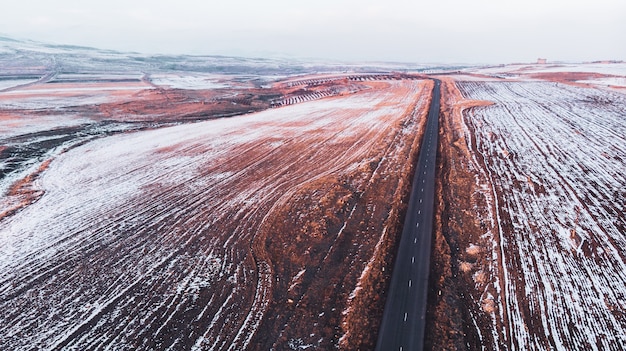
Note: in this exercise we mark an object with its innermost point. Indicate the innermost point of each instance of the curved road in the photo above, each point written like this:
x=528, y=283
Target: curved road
x=403, y=322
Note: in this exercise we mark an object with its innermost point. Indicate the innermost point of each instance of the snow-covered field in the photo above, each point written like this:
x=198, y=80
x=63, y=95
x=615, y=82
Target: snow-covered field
x=188, y=81
x=553, y=157
x=618, y=69
x=155, y=239
x=52, y=96
x=608, y=81
x=19, y=125
x=597, y=74
x=10, y=83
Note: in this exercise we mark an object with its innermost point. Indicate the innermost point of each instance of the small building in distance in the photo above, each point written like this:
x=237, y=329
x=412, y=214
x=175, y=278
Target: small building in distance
x=542, y=61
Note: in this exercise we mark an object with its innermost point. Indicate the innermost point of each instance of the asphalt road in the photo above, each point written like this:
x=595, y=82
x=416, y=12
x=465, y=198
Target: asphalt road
x=404, y=317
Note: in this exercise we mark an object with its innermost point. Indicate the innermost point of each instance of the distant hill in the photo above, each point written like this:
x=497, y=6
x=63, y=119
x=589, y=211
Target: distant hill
x=31, y=57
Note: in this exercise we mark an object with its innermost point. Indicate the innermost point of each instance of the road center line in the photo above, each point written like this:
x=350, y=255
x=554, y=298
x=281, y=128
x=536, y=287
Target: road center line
x=393, y=334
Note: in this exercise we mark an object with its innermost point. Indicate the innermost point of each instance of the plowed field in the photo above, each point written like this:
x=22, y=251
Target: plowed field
x=533, y=220
x=268, y=230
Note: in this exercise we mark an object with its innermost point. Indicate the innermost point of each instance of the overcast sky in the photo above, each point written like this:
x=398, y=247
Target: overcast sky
x=449, y=31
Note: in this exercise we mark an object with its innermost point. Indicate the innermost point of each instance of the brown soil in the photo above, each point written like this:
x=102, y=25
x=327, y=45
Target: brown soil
x=22, y=193
x=571, y=78
x=504, y=250
x=307, y=254
x=538, y=250
x=327, y=229
x=456, y=228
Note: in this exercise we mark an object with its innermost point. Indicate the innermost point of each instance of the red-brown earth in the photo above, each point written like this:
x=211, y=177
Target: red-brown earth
x=276, y=230
x=529, y=251
x=267, y=230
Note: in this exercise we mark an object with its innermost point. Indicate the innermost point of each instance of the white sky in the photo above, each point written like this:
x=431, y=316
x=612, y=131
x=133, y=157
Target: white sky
x=467, y=31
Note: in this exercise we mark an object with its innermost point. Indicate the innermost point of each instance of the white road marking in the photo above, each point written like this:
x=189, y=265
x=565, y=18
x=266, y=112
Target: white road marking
x=405, y=315
x=420, y=201
x=413, y=259
x=415, y=241
x=409, y=283
x=419, y=211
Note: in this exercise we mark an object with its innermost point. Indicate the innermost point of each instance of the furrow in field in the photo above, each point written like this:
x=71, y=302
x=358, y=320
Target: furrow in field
x=161, y=239
x=554, y=156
